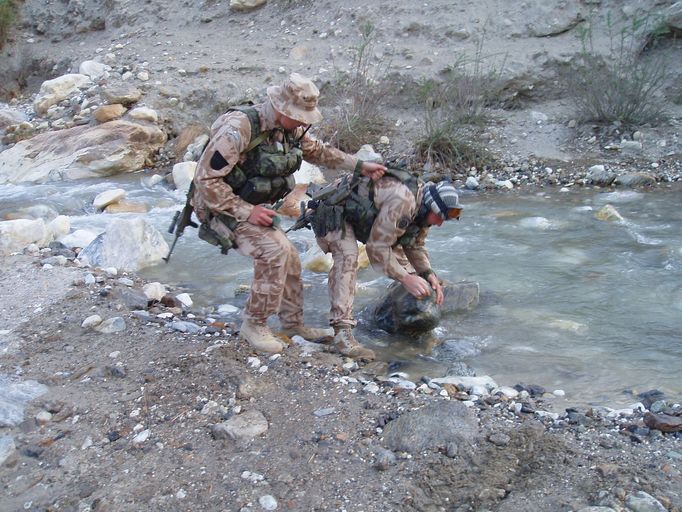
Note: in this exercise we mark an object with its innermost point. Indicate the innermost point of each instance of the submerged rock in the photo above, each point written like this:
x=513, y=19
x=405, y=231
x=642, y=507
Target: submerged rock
x=399, y=311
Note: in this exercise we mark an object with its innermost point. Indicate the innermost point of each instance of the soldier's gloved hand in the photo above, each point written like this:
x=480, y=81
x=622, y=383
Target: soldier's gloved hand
x=417, y=286
x=373, y=170
x=261, y=216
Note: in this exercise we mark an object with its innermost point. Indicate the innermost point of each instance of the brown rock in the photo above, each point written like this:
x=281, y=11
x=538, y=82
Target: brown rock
x=108, y=112
x=185, y=138
x=663, y=422
x=125, y=95
x=126, y=207
x=292, y=203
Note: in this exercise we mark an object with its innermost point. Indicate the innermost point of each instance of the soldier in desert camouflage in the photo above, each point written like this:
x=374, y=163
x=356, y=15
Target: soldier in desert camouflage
x=392, y=216
x=248, y=164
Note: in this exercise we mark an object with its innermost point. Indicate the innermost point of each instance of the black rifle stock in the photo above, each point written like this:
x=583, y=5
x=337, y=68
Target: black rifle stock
x=181, y=220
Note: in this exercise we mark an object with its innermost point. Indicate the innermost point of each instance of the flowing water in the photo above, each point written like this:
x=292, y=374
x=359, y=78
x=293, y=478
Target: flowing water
x=567, y=301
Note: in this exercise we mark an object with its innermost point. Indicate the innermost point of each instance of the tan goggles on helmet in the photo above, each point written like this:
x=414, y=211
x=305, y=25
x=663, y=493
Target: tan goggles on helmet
x=453, y=213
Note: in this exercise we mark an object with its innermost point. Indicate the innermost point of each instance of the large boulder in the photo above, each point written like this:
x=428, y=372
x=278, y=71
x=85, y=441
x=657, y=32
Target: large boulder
x=17, y=234
x=399, y=311
x=58, y=89
x=126, y=244
x=81, y=152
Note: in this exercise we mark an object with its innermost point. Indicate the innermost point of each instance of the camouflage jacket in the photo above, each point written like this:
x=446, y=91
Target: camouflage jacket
x=230, y=136
x=397, y=210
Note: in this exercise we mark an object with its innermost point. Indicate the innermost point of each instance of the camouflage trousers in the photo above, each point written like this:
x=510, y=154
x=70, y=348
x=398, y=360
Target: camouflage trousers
x=276, y=286
x=343, y=274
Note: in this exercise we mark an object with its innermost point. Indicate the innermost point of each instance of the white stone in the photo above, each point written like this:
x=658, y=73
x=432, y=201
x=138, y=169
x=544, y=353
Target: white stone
x=268, y=502
x=185, y=299
x=127, y=244
x=59, y=226
x=154, y=291
x=79, y=238
x=108, y=197
x=183, y=173
x=309, y=173
x=91, y=322
x=141, y=437
x=17, y=234
x=58, y=89
x=93, y=69
x=144, y=114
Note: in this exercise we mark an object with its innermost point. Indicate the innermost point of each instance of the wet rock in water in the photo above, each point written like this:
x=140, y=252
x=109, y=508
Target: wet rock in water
x=399, y=311
x=598, y=175
x=433, y=426
x=636, y=179
x=126, y=244
x=648, y=398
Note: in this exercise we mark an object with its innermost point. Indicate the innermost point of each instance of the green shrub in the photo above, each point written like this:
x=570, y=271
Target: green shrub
x=454, y=112
x=620, y=85
x=8, y=14
x=358, y=97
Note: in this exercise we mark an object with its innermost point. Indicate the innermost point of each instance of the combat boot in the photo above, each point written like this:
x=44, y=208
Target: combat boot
x=346, y=344
x=260, y=337
x=308, y=333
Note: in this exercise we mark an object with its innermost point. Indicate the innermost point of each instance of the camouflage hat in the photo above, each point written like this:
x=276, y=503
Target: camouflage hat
x=296, y=98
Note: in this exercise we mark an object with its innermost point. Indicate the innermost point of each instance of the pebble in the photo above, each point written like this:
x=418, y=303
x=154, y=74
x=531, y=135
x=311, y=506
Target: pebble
x=268, y=502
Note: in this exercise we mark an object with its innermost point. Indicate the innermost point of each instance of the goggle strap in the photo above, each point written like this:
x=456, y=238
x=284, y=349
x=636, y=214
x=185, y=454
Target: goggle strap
x=439, y=201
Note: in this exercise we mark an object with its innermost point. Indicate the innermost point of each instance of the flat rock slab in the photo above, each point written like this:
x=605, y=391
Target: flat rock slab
x=431, y=427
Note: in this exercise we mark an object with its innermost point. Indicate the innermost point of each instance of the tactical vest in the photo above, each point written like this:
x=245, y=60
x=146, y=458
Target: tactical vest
x=360, y=211
x=266, y=175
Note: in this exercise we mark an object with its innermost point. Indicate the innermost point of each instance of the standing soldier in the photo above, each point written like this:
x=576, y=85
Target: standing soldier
x=247, y=165
x=392, y=216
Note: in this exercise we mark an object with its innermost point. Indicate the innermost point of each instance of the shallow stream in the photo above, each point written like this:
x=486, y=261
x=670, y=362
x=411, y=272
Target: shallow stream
x=567, y=301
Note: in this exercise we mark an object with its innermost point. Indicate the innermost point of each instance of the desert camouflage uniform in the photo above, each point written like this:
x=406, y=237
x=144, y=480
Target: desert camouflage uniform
x=398, y=209
x=276, y=286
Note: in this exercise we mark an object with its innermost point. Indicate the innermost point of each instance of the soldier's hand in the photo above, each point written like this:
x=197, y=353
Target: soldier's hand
x=416, y=285
x=373, y=170
x=261, y=216
x=438, y=288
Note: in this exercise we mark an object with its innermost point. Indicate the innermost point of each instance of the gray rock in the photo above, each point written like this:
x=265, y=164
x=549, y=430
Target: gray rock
x=384, y=459
x=111, y=325
x=435, y=425
x=187, y=327
x=636, y=179
x=643, y=502
x=399, y=311
x=7, y=448
x=133, y=299
x=243, y=427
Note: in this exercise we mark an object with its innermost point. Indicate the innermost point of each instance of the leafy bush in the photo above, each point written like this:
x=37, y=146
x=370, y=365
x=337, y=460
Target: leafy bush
x=358, y=97
x=620, y=85
x=8, y=13
x=454, y=111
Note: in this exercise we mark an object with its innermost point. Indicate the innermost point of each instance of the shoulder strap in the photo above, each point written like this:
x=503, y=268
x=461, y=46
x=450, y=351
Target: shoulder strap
x=257, y=137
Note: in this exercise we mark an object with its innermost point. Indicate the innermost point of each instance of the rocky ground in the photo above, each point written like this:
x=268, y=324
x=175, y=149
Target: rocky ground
x=157, y=408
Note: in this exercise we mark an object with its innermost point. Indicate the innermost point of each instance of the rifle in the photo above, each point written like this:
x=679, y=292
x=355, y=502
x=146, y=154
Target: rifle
x=181, y=220
x=303, y=220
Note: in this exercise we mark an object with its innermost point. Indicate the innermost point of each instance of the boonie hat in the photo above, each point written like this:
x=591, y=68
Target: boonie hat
x=442, y=199
x=296, y=98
